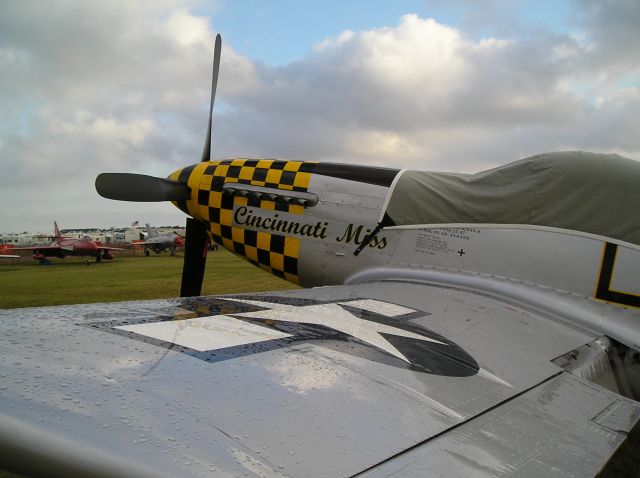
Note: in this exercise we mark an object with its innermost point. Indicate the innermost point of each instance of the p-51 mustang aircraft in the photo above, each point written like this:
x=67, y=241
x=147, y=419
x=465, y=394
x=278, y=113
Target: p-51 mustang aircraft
x=489, y=326
x=69, y=246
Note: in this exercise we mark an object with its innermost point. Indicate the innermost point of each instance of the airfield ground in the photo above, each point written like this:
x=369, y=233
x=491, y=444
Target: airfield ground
x=26, y=283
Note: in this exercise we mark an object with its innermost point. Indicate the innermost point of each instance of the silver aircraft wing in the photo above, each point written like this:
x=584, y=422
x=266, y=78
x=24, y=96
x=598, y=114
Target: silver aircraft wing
x=379, y=379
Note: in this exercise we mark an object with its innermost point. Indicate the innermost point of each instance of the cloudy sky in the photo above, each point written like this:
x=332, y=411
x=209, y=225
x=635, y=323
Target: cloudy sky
x=87, y=87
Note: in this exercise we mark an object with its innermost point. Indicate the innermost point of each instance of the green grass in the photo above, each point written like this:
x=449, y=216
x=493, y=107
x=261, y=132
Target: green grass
x=72, y=281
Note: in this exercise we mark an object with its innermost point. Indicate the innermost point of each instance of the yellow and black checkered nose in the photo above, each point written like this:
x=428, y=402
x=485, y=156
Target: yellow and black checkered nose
x=272, y=252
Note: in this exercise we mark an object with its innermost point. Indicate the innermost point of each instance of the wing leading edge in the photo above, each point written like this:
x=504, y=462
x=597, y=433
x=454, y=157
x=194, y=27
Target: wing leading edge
x=374, y=378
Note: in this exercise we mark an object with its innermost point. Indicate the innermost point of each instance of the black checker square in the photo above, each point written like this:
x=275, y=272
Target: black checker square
x=238, y=248
x=277, y=273
x=217, y=182
x=250, y=238
x=251, y=162
x=233, y=171
x=226, y=231
x=277, y=244
x=278, y=165
x=308, y=167
x=214, y=214
x=253, y=201
x=291, y=265
x=227, y=201
x=264, y=257
x=217, y=239
x=260, y=174
x=287, y=178
x=282, y=206
x=209, y=170
x=203, y=197
x=183, y=177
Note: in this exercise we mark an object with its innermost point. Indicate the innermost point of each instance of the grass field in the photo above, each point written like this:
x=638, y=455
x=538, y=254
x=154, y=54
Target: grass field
x=72, y=281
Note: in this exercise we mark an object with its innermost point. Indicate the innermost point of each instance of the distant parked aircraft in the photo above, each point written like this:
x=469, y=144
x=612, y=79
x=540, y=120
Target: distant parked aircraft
x=161, y=242
x=69, y=246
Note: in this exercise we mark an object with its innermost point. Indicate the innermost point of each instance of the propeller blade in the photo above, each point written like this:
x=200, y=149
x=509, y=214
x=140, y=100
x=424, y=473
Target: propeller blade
x=140, y=188
x=196, y=244
x=196, y=241
x=206, y=152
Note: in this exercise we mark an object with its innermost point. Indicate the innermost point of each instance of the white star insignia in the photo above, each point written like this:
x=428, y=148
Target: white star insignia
x=333, y=316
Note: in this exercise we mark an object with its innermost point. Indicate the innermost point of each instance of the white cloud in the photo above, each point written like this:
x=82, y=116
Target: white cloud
x=423, y=95
x=188, y=29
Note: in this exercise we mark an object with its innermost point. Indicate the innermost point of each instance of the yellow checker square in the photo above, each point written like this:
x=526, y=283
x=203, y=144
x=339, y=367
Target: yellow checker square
x=228, y=243
x=194, y=182
x=251, y=253
x=302, y=180
x=277, y=261
x=291, y=247
x=205, y=182
x=198, y=169
x=264, y=163
x=296, y=209
x=273, y=176
x=227, y=179
x=288, y=187
x=215, y=198
x=203, y=212
x=241, y=201
x=215, y=229
x=226, y=217
x=246, y=172
x=221, y=170
x=264, y=204
x=264, y=241
x=238, y=162
x=292, y=165
x=291, y=278
x=237, y=234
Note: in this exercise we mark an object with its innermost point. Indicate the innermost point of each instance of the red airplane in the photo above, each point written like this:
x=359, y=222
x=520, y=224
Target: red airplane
x=69, y=246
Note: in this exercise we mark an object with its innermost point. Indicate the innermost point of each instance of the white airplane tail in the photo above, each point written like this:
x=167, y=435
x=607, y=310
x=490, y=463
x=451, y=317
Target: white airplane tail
x=151, y=231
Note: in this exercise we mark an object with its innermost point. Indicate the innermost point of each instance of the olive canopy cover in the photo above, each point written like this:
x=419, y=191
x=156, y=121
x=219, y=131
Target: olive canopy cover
x=580, y=191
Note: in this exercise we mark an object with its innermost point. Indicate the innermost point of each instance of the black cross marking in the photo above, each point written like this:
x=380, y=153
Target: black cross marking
x=603, y=289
